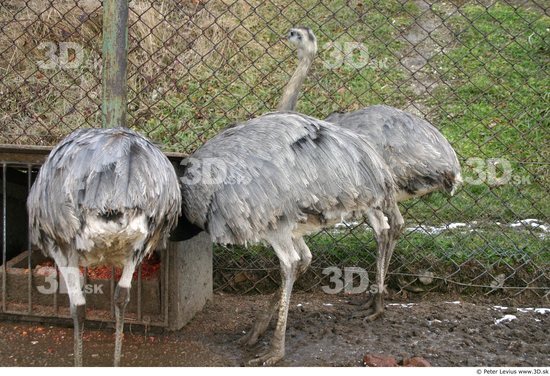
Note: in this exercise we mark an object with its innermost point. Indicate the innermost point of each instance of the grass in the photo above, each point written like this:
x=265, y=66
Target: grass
x=43, y=104
x=469, y=255
x=247, y=79
x=197, y=69
x=491, y=103
x=456, y=246
x=193, y=70
x=494, y=104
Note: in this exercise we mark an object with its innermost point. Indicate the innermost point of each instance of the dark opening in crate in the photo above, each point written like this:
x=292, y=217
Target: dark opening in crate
x=14, y=188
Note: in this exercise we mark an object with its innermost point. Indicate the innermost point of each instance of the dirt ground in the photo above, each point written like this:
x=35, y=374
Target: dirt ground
x=321, y=332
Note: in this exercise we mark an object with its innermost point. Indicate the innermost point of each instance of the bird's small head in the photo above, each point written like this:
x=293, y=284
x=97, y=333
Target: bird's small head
x=304, y=40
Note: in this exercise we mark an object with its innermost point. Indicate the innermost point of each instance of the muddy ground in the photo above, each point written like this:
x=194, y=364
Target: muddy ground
x=321, y=332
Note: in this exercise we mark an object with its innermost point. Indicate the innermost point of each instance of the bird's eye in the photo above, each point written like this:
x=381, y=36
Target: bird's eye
x=292, y=33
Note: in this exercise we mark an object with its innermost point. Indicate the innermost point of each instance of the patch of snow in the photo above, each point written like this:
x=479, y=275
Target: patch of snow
x=536, y=310
x=429, y=230
x=524, y=310
x=455, y=302
x=456, y=225
x=500, y=307
x=434, y=230
x=430, y=322
x=327, y=304
x=345, y=224
x=404, y=305
x=505, y=319
x=535, y=223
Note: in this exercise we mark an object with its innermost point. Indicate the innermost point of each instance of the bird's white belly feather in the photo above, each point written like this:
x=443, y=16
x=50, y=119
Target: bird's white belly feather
x=111, y=242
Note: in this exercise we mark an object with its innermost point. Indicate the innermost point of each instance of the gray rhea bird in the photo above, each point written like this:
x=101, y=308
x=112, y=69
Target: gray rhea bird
x=420, y=158
x=103, y=196
x=276, y=178
x=306, y=44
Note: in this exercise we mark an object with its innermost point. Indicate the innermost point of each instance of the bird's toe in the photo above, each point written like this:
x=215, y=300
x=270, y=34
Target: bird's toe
x=374, y=316
x=249, y=339
x=268, y=359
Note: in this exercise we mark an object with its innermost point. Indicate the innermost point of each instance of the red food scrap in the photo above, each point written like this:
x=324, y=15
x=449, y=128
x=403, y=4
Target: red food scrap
x=150, y=268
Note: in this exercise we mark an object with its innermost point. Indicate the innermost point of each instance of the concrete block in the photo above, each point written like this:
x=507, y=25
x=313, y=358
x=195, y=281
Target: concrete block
x=190, y=278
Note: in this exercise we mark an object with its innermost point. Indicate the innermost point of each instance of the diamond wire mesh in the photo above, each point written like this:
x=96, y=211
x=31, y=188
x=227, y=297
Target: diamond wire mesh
x=478, y=70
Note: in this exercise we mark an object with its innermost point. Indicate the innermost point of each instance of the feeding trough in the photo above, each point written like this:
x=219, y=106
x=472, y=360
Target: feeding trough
x=49, y=292
x=168, y=289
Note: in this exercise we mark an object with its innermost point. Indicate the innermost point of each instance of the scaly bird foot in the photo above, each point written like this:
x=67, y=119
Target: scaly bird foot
x=373, y=316
x=268, y=359
x=365, y=308
x=249, y=339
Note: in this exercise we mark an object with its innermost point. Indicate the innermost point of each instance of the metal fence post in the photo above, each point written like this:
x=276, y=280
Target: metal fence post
x=115, y=62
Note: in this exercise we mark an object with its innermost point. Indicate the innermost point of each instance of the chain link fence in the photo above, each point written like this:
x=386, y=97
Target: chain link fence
x=478, y=70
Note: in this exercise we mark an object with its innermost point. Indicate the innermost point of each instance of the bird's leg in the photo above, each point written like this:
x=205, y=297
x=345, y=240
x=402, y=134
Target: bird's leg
x=397, y=225
x=377, y=293
x=262, y=321
x=78, y=313
x=122, y=297
x=386, y=244
x=305, y=255
x=374, y=305
x=68, y=267
x=289, y=260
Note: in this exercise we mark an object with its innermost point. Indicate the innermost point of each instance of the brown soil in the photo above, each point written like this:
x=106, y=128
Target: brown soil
x=320, y=332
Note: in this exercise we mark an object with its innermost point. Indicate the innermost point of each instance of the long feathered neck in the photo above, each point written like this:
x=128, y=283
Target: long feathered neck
x=184, y=229
x=292, y=88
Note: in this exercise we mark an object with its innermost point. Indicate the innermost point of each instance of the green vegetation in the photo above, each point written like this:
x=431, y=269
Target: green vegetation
x=247, y=78
x=475, y=254
x=495, y=68
x=494, y=103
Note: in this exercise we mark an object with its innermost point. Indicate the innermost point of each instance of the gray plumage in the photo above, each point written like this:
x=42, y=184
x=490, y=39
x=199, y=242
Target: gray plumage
x=281, y=165
x=420, y=159
x=280, y=176
x=102, y=175
x=419, y=156
x=103, y=196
